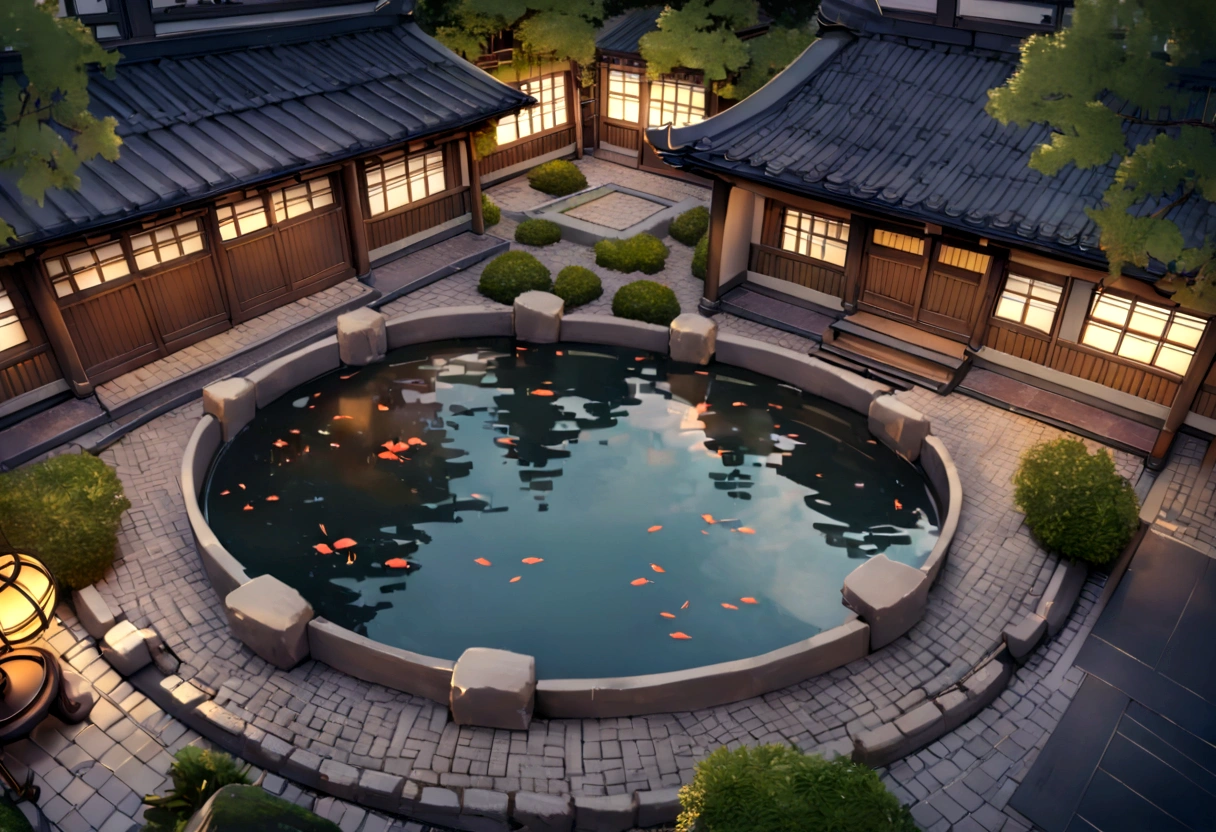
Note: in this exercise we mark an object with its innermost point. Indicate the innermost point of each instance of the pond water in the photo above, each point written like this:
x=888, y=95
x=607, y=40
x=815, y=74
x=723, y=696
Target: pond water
x=607, y=511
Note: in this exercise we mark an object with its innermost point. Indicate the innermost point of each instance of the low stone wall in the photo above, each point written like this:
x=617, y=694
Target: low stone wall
x=223, y=570
x=378, y=663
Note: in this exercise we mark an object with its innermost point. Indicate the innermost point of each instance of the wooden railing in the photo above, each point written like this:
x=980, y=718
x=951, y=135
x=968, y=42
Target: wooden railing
x=803, y=271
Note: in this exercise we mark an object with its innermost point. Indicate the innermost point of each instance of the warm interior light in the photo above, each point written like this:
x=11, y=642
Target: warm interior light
x=27, y=599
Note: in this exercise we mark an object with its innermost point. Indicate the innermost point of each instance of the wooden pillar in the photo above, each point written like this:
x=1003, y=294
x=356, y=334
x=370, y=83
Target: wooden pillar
x=1201, y=362
x=643, y=115
x=992, y=286
x=717, y=231
x=859, y=231
x=354, y=218
x=479, y=220
x=55, y=328
x=576, y=94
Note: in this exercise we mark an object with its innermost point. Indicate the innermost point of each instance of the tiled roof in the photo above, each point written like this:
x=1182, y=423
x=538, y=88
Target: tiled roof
x=622, y=34
x=898, y=124
x=201, y=126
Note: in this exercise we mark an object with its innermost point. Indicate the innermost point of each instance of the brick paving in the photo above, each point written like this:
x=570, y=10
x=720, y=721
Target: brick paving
x=1188, y=511
x=616, y=210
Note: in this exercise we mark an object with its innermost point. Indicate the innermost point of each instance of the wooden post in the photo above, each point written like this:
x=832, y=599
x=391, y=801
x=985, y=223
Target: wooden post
x=992, y=286
x=859, y=231
x=354, y=218
x=1201, y=362
x=717, y=230
x=55, y=328
x=479, y=220
x=576, y=93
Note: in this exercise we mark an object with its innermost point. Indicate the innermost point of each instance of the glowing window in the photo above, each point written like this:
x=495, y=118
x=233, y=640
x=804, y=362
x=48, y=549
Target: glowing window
x=396, y=179
x=624, y=95
x=1029, y=302
x=297, y=200
x=241, y=218
x=676, y=103
x=548, y=112
x=169, y=242
x=12, y=333
x=1143, y=332
x=814, y=236
x=86, y=269
x=899, y=242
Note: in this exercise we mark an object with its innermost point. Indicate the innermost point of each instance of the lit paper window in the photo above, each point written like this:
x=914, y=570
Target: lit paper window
x=961, y=258
x=624, y=95
x=241, y=218
x=1029, y=302
x=899, y=242
x=813, y=236
x=548, y=112
x=169, y=242
x=12, y=333
x=676, y=103
x=1143, y=332
x=86, y=269
x=297, y=200
x=397, y=180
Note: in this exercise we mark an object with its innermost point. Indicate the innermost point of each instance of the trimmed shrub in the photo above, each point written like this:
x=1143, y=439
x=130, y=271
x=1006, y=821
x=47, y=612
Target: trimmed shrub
x=557, y=178
x=776, y=788
x=197, y=774
x=643, y=253
x=690, y=226
x=253, y=809
x=511, y=274
x=1076, y=503
x=12, y=819
x=700, y=257
x=538, y=232
x=577, y=286
x=489, y=211
x=65, y=511
x=645, y=300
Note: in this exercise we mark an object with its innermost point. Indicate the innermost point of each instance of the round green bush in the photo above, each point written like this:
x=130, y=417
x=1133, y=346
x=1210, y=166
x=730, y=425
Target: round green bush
x=776, y=788
x=489, y=211
x=511, y=274
x=538, y=232
x=700, y=257
x=12, y=819
x=65, y=512
x=557, y=178
x=577, y=286
x=197, y=774
x=645, y=300
x=1075, y=502
x=690, y=226
x=643, y=253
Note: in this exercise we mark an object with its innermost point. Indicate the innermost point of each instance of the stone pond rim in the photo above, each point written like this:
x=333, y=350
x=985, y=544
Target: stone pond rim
x=880, y=613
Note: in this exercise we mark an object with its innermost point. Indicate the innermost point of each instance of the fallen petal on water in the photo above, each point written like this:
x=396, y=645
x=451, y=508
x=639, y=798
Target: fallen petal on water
x=397, y=563
x=382, y=407
x=681, y=636
x=248, y=507
x=542, y=392
x=322, y=525
x=667, y=614
x=323, y=549
x=653, y=529
x=294, y=431
x=343, y=543
x=730, y=606
x=225, y=493
x=272, y=499
x=749, y=600
x=684, y=606
x=640, y=581
x=898, y=505
x=516, y=578
x=657, y=568
x=745, y=530
x=241, y=485
x=481, y=561
x=531, y=561
x=389, y=455
x=708, y=518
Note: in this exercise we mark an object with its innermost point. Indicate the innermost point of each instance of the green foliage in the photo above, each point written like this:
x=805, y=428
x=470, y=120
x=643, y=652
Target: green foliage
x=776, y=788
x=690, y=226
x=1082, y=80
x=490, y=212
x=557, y=178
x=700, y=257
x=55, y=56
x=197, y=774
x=1075, y=502
x=643, y=253
x=65, y=511
x=699, y=35
x=485, y=140
x=511, y=274
x=770, y=53
x=645, y=300
x=239, y=808
x=538, y=232
x=577, y=286
x=11, y=818
x=544, y=30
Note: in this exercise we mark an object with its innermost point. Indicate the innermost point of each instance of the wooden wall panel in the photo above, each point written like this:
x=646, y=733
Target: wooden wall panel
x=784, y=266
x=313, y=247
x=891, y=280
x=1018, y=343
x=950, y=296
x=256, y=273
x=618, y=136
x=32, y=364
x=111, y=330
x=390, y=229
x=1205, y=399
x=28, y=374
x=529, y=148
x=186, y=300
x=1139, y=381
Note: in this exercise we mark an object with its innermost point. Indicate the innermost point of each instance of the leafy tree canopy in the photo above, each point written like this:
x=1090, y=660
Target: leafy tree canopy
x=700, y=35
x=557, y=30
x=769, y=54
x=47, y=129
x=1113, y=86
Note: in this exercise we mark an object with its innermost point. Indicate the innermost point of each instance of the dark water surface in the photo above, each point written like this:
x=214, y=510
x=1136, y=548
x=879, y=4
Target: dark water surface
x=799, y=492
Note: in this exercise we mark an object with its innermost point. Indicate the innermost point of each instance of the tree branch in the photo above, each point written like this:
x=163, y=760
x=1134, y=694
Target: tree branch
x=1155, y=122
x=1161, y=213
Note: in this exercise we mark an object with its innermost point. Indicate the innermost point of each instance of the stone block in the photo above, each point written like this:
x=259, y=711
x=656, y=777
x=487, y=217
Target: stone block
x=658, y=807
x=693, y=338
x=483, y=811
x=78, y=692
x=93, y=611
x=842, y=747
x=436, y=805
x=379, y=790
x=449, y=322
x=988, y=680
x=879, y=746
x=1061, y=594
x=303, y=767
x=898, y=426
x=538, y=317
x=922, y=725
x=544, y=812
x=956, y=708
x=617, y=332
x=493, y=689
x=338, y=779
x=277, y=377
x=233, y=402
x=616, y=813
x=220, y=717
x=1021, y=638
x=943, y=476
x=362, y=337
x=271, y=619
x=889, y=596
x=125, y=648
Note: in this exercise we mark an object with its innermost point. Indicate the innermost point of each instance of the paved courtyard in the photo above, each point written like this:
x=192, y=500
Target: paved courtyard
x=92, y=775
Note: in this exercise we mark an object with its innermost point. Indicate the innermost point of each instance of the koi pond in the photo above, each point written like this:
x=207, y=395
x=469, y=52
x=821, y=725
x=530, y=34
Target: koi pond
x=608, y=511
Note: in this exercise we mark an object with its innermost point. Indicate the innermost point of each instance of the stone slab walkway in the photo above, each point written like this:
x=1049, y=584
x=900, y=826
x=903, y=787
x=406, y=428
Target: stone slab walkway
x=1189, y=509
x=517, y=195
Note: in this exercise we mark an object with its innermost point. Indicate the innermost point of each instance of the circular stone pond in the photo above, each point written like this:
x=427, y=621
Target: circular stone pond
x=606, y=510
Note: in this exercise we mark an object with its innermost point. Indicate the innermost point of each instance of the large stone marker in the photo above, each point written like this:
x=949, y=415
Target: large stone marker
x=362, y=337
x=271, y=619
x=889, y=596
x=538, y=317
x=232, y=402
x=693, y=338
x=493, y=689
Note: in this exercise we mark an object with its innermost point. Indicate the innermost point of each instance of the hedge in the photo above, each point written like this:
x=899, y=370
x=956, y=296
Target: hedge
x=643, y=253
x=690, y=226
x=700, y=257
x=490, y=212
x=538, y=232
x=64, y=511
x=645, y=300
x=557, y=178
x=197, y=774
x=511, y=274
x=577, y=286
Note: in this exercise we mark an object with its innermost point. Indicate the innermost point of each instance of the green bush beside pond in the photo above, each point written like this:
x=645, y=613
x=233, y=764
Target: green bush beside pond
x=197, y=774
x=700, y=257
x=557, y=178
x=643, y=253
x=538, y=232
x=511, y=274
x=645, y=300
x=577, y=286
x=690, y=226
x=490, y=212
x=64, y=511
x=252, y=809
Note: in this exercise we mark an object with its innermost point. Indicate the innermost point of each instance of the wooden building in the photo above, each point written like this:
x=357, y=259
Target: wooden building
x=867, y=183
x=263, y=159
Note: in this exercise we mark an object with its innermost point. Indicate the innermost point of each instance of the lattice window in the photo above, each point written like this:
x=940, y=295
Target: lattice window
x=624, y=95
x=961, y=258
x=396, y=179
x=899, y=242
x=297, y=200
x=82, y=270
x=1142, y=332
x=1029, y=302
x=548, y=112
x=676, y=103
x=12, y=333
x=814, y=236
x=241, y=218
x=167, y=243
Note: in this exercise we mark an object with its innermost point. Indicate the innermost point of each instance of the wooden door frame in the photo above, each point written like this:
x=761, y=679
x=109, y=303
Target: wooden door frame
x=864, y=275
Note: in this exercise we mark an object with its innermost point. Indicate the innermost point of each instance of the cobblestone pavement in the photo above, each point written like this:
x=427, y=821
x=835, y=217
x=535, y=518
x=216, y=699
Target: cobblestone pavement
x=1189, y=509
x=616, y=210
x=517, y=195
x=129, y=385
